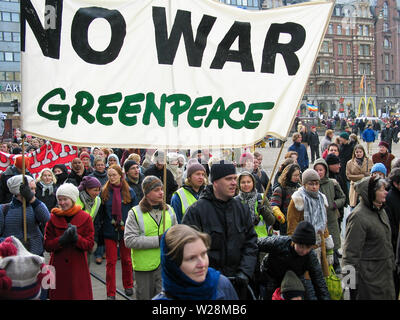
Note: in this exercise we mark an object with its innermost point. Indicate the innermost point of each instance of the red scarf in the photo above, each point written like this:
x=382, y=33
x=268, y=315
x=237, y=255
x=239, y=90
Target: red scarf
x=116, y=211
x=69, y=213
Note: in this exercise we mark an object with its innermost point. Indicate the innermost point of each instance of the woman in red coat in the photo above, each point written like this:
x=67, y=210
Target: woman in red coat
x=69, y=235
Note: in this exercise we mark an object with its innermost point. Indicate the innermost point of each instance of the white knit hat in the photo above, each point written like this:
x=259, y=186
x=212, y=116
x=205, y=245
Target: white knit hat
x=14, y=183
x=68, y=190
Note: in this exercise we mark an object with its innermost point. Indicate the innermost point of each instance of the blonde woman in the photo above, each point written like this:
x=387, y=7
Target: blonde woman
x=358, y=167
x=46, y=188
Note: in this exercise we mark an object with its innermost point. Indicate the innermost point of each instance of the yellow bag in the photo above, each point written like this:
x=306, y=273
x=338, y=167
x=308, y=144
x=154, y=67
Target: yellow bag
x=334, y=284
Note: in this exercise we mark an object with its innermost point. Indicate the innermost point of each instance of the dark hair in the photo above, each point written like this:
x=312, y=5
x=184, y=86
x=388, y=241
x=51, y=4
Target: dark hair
x=394, y=175
x=287, y=173
x=333, y=144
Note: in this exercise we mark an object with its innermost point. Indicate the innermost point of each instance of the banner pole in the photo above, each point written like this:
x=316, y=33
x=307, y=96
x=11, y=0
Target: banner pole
x=165, y=189
x=23, y=182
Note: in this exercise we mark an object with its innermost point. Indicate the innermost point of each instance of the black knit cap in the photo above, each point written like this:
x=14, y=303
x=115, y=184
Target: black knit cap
x=128, y=164
x=221, y=169
x=332, y=159
x=304, y=233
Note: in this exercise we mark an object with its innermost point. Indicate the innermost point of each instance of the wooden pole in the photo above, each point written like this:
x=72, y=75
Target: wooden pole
x=23, y=181
x=273, y=172
x=165, y=188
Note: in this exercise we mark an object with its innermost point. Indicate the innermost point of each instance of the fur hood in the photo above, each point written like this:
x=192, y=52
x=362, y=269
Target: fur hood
x=299, y=201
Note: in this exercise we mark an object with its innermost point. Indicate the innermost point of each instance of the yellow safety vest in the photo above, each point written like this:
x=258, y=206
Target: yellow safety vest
x=95, y=207
x=187, y=199
x=149, y=259
x=260, y=228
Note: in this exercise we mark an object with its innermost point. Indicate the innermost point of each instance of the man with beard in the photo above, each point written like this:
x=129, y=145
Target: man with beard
x=77, y=173
x=134, y=177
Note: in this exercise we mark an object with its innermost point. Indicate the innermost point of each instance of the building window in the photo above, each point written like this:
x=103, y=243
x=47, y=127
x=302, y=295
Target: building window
x=8, y=56
x=318, y=71
x=16, y=37
x=386, y=43
x=341, y=88
x=360, y=30
x=387, y=75
x=6, y=16
x=326, y=67
x=348, y=49
x=340, y=49
x=347, y=30
x=330, y=29
x=17, y=56
x=2, y=76
x=340, y=68
x=349, y=69
x=385, y=10
x=387, y=92
x=350, y=88
x=325, y=47
x=366, y=31
x=7, y=36
x=9, y=76
x=339, y=29
x=385, y=27
x=337, y=11
x=386, y=59
x=17, y=76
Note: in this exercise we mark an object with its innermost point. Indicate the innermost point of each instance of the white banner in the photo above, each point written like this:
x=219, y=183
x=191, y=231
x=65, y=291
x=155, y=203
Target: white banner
x=170, y=74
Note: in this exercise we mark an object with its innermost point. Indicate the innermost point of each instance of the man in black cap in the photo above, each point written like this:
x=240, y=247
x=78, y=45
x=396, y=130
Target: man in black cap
x=233, y=239
x=292, y=253
x=134, y=177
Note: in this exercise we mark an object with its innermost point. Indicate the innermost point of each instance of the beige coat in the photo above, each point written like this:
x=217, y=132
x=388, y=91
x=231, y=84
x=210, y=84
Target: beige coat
x=355, y=173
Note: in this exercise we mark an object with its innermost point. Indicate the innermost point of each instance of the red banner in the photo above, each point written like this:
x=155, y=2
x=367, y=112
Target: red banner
x=47, y=156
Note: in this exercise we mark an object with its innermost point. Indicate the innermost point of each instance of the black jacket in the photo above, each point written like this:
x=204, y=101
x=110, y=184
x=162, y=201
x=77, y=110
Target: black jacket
x=75, y=179
x=5, y=194
x=172, y=186
x=282, y=257
x=50, y=200
x=314, y=139
x=233, y=239
x=262, y=182
x=137, y=187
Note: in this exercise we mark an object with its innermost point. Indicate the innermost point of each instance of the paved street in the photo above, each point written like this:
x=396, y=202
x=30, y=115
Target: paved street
x=269, y=157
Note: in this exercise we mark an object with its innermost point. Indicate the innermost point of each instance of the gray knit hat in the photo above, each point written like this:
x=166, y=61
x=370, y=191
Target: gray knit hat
x=193, y=166
x=149, y=183
x=14, y=183
x=309, y=175
x=291, y=286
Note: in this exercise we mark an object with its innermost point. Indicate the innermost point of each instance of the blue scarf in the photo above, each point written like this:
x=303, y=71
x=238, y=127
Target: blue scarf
x=180, y=286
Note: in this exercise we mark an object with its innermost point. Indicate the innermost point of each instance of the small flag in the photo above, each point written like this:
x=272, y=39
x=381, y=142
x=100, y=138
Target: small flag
x=311, y=107
x=362, y=82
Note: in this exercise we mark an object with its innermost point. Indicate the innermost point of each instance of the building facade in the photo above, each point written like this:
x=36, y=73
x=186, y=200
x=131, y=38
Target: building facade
x=346, y=57
x=10, y=58
x=387, y=34
x=244, y=4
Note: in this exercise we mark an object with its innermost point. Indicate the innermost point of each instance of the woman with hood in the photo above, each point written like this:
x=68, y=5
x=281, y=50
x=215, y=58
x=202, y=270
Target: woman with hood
x=368, y=245
x=358, y=167
x=112, y=159
x=336, y=200
x=280, y=199
x=184, y=268
x=262, y=216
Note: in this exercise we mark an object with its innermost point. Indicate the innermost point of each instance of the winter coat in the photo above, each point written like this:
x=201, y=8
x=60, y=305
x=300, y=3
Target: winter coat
x=386, y=159
x=387, y=135
x=283, y=257
x=70, y=261
x=11, y=223
x=76, y=179
x=5, y=194
x=302, y=159
x=104, y=217
x=296, y=214
x=368, y=248
x=313, y=139
x=345, y=154
x=137, y=187
x=355, y=173
x=172, y=186
x=262, y=180
x=368, y=135
x=336, y=200
x=392, y=209
x=233, y=239
x=102, y=177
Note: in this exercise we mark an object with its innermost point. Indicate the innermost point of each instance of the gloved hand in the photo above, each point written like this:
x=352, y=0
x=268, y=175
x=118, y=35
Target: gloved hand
x=70, y=235
x=241, y=279
x=26, y=191
x=329, y=256
x=278, y=214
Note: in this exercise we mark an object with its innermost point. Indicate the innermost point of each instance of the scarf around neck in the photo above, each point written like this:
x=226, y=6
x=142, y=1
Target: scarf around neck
x=87, y=200
x=46, y=187
x=67, y=213
x=250, y=198
x=180, y=286
x=116, y=210
x=314, y=209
